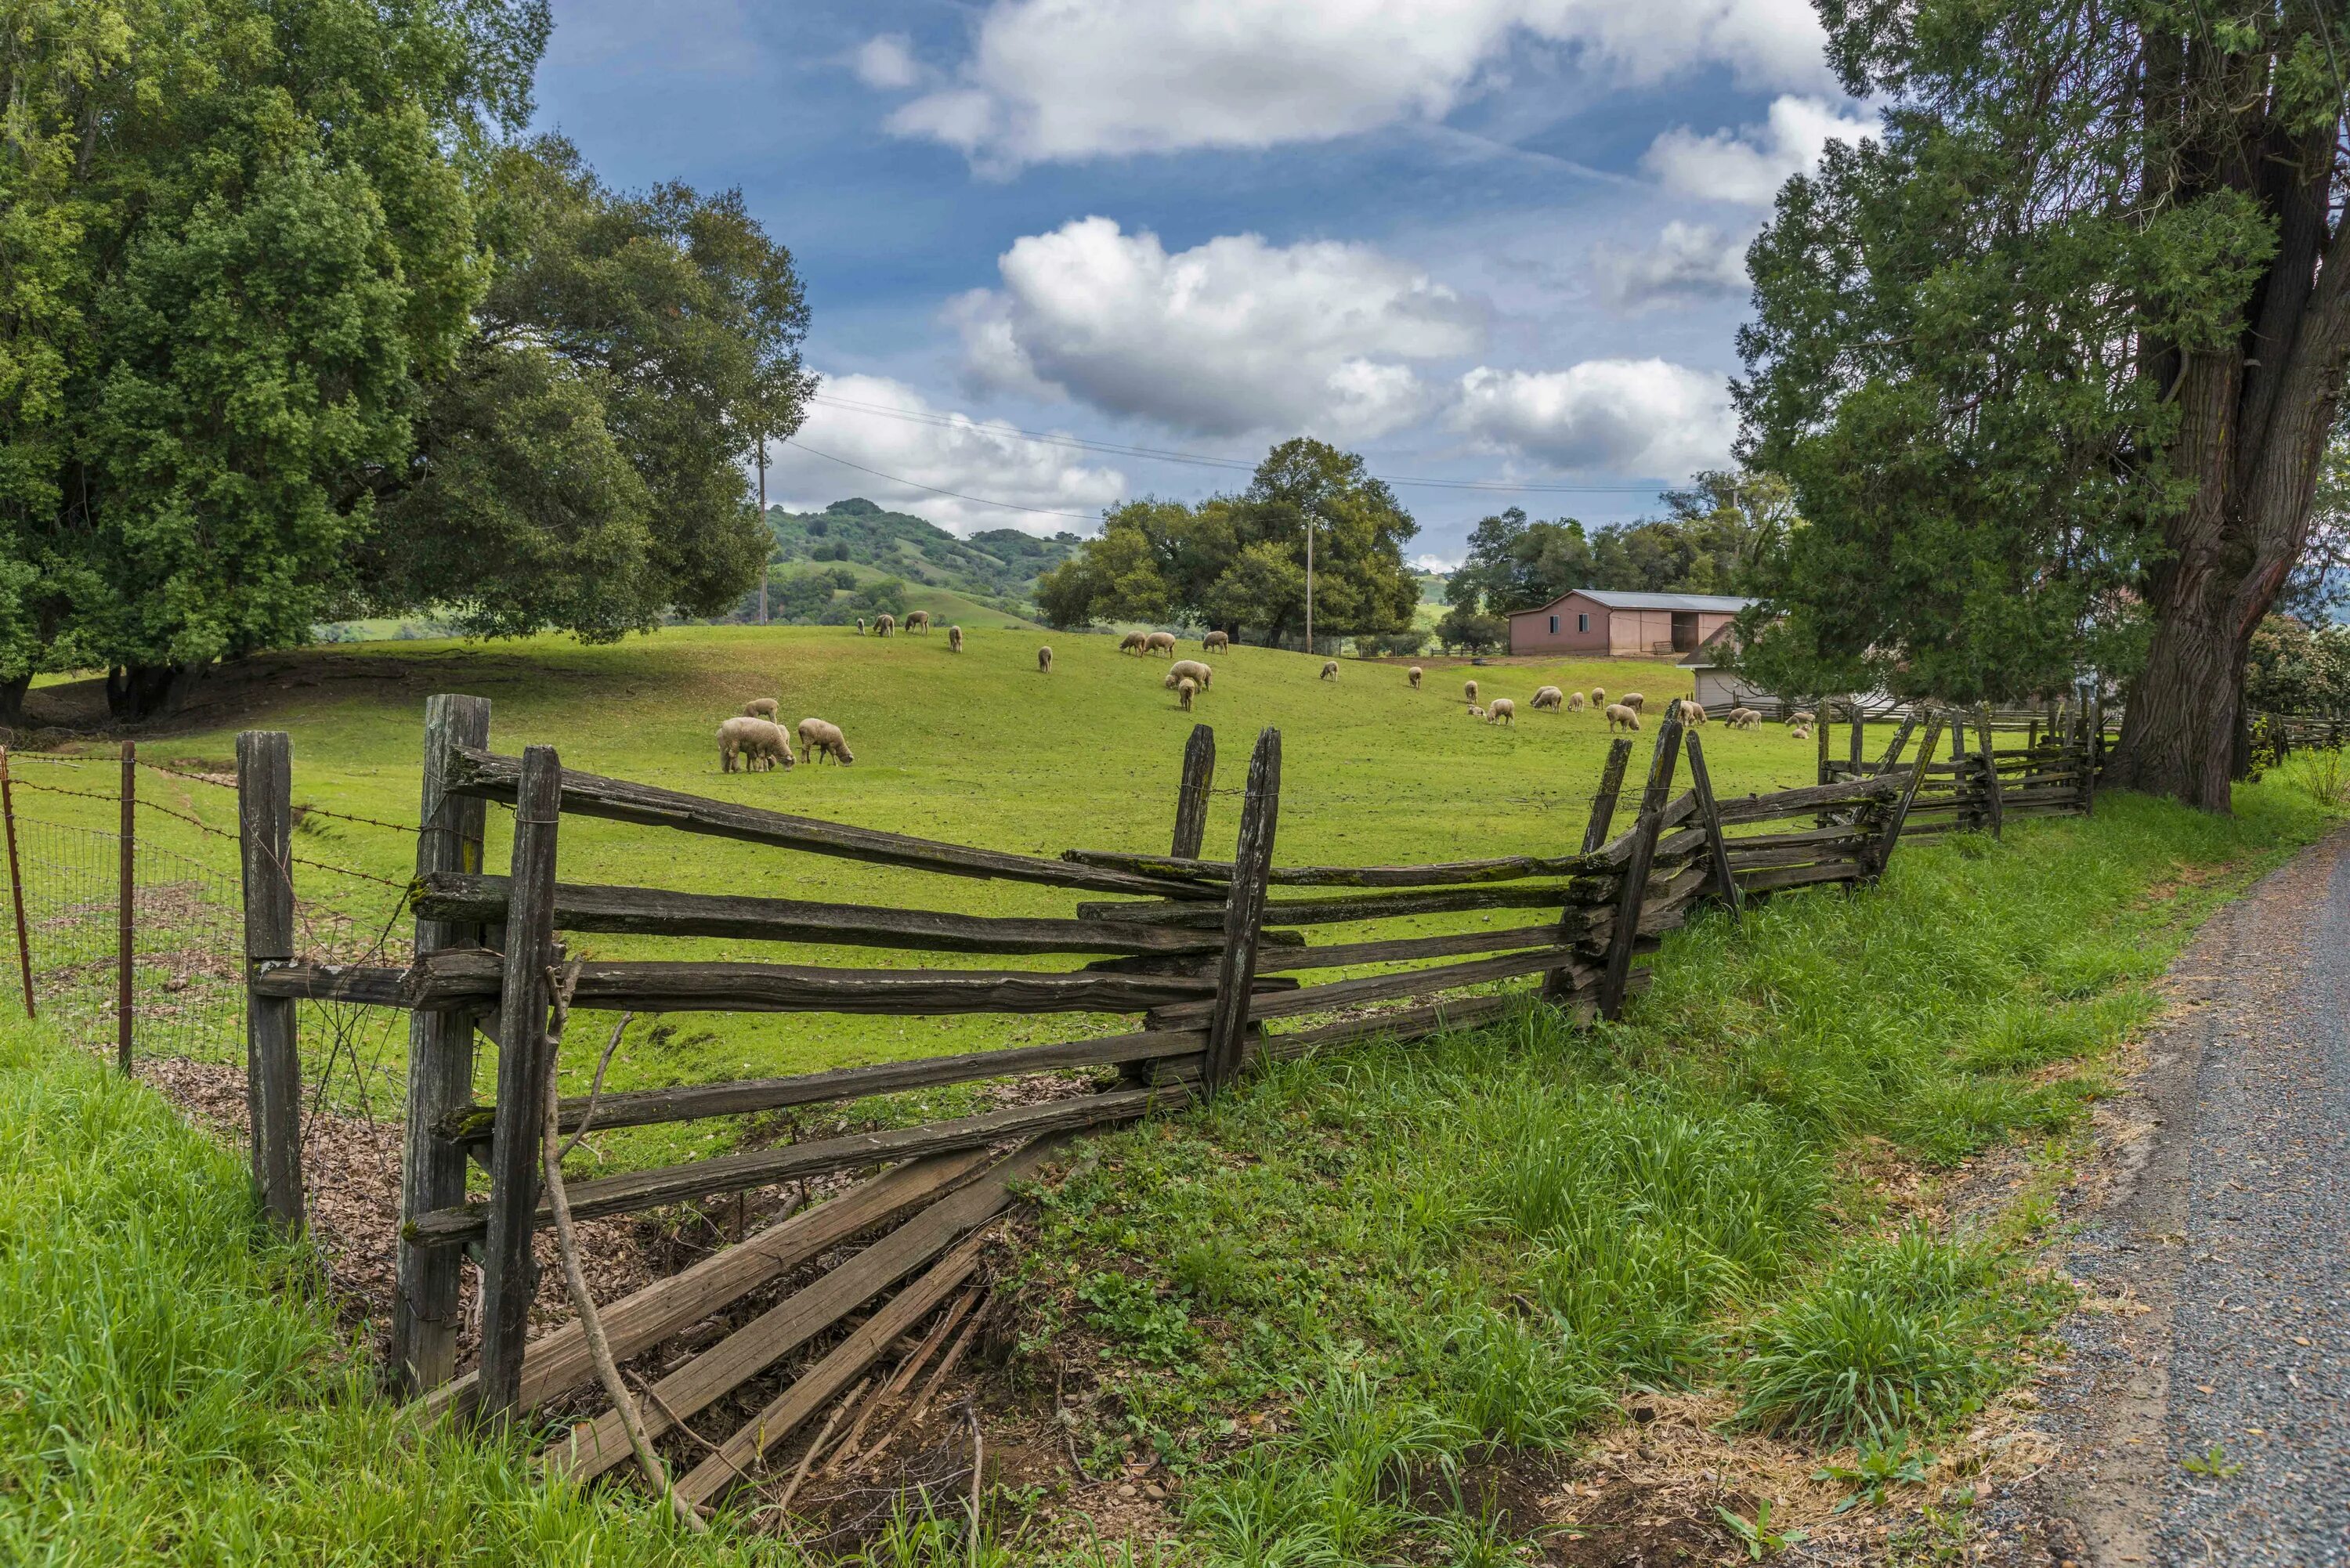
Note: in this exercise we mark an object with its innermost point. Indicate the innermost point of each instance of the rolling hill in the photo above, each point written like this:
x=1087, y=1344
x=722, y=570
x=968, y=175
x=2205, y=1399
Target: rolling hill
x=998, y=563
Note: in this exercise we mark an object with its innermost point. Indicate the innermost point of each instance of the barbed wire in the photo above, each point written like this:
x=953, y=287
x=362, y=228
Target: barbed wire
x=213, y=779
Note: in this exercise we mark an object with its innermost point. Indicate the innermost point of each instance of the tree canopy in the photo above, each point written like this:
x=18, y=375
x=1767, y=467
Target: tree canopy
x=1238, y=562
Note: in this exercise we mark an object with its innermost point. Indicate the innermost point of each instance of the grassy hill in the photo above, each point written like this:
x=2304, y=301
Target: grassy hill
x=996, y=563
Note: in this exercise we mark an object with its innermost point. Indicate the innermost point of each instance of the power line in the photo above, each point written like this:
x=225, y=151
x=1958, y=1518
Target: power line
x=918, y=484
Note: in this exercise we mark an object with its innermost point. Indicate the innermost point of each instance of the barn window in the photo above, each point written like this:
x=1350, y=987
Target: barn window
x=1553, y=624
x=1583, y=623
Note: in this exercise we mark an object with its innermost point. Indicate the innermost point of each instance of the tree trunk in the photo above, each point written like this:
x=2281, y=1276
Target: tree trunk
x=137, y=691
x=12, y=699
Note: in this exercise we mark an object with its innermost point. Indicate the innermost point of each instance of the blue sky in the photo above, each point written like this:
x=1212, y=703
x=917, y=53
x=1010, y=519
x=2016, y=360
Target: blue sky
x=1480, y=241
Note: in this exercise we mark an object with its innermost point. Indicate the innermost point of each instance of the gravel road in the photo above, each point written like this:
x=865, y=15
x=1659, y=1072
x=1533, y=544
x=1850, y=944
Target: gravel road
x=2219, y=1260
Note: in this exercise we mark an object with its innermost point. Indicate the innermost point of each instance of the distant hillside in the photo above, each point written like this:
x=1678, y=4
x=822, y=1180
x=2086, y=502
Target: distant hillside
x=998, y=564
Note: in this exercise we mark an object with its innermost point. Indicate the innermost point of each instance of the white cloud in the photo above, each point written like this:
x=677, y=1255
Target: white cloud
x=1231, y=337
x=1063, y=79
x=1751, y=164
x=1640, y=417
x=1688, y=262
x=887, y=62
x=1437, y=563
x=914, y=442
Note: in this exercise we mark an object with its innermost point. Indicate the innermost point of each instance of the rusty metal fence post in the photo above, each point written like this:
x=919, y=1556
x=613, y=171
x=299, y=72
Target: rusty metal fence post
x=16, y=887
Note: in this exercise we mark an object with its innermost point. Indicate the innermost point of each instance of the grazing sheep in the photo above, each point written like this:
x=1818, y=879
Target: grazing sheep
x=1215, y=642
x=1329, y=669
x=1577, y=703
x=1198, y=671
x=918, y=620
x=1801, y=716
x=1801, y=732
x=885, y=625
x=1475, y=712
x=1503, y=712
x=1634, y=701
x=1130, y=643
x=1412, y=675
x=860, y=625
x=954, y=640
x=1184, y=689
x=1619, y=717
x=760, y=708
x=1159, y=642
x=819, y=739
x=1692, y=713
x=1469, y=690
x=1044, y=661
x=1598, y=695
x=751, y=741
x=1749, y=720
x=1549, y=697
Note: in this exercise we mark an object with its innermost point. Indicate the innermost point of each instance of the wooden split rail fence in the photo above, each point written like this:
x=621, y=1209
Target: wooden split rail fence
x=1215, y=961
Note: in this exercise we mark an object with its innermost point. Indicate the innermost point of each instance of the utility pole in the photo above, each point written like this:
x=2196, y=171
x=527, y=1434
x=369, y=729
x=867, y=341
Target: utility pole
x=765, y=532
x=1309, y=582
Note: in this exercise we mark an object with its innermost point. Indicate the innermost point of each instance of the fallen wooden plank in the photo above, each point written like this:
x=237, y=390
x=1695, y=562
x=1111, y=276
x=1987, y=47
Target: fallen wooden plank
x=595, y=1446
x=1346, y=955
x=642, y=1107
x=558, y=1361
x=1799, y=876
x=1501, y=868
x=1405, y=1023
x=473, y=771
x=657, y=911
x=643, y=1189
x=1378, y=987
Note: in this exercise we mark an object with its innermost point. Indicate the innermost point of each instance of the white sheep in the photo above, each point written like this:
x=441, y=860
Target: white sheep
x=1801, y=732
x=818, y=739
x=1412, y=675
x=1619, y=717
x=752, y=743
x=1549, y=697
x=1045, y=661
x=860, y=625
x=1577, y=703
x=1329, y=669
x=1801, y=717
x=1475, y=712
x=1469, y=690
x=954, y=640
x=1199, y=673
x=760, y=708
x=1503, y=710
x=918, y=620
x=1691, y=712
x=1215, y=642
x=1131, y=642
x=1159, y=642
x=885, y=625
x=1185, y=688
x=1634, y=701
x=1598, y=695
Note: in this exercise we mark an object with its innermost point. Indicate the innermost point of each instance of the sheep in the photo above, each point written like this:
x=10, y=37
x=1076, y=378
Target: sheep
x=918, y=621
x=1503, y=710
x=1045, y=661
x=1692, y=713
x=1549, y=697
x=1744, y=718
x=819, y=739
x=760, y=708
x=1131, y=643
x=1598, y=696
x=954, y=640
x=1469, y=690
x=1215, y=642
x=860, y=625
x=1801, y=732
x=885, y=625
x=1198, y=671
x=1619, y=717
x=1634, y=701
x=1801, y=718
x=1329, y=669
x=1577, y=703
x=1184, y=689
x=1475, y=712
x=751, y=741
x=1412, y=675
x=1159, y=642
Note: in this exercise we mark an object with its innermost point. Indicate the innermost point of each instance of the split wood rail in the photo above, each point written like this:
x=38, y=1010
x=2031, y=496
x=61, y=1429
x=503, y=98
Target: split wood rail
x=1215, y=958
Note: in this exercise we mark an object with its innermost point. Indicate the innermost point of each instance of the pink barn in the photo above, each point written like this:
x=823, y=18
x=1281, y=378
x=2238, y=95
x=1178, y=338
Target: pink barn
x=1605, y=622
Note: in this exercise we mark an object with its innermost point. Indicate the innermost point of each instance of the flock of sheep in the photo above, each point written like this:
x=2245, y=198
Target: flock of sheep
x=757, y=743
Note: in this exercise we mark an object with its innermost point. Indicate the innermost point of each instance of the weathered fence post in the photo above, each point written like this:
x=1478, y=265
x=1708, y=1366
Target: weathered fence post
x=439, y=1065
x=509, y=1275
x=1892, y=758
x=1995, y=802
x=126, y=920
x=1708, y=815
x=16, y=887
x=1653, y=801
x=2093, y=752
x=1898, y=816
x=1228, y=1025
x=1827, y=721
x=1191, y=800
x=1856, y=742
x=1603, y=804
x=265, y=796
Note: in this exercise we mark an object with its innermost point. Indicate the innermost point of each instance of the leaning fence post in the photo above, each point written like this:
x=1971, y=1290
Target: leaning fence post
x=1899, y=816
x=125, y=905
x=1244, y=914
x=16, y=887
x=1653, y=801
x=1192, y=799
x=1603, y=804
x=440, y=1065
x=265, y=798
x=1725, y=881
x=509, y=1273
x=1892, y=758
x=1997, y=805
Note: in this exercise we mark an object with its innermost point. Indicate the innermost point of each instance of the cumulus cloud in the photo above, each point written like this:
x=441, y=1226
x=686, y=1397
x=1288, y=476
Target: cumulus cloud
x=1749, y=164
x=1643, y=417
x=1064, y=79
x=1690, y=262
x=1231, y=337
x=911, y=440
x=887, y=62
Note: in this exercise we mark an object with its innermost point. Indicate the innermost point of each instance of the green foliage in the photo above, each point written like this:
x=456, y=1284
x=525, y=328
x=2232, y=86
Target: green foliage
x=1720, y=529
x=996, y=563
x=1756, y=1535
x=2214, y=1462
x=1238, y=562
x=1883, y=1463
x=2298, y=668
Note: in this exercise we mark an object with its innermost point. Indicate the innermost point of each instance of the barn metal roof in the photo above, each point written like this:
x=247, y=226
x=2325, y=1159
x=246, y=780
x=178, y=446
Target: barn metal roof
x=1611, y=598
